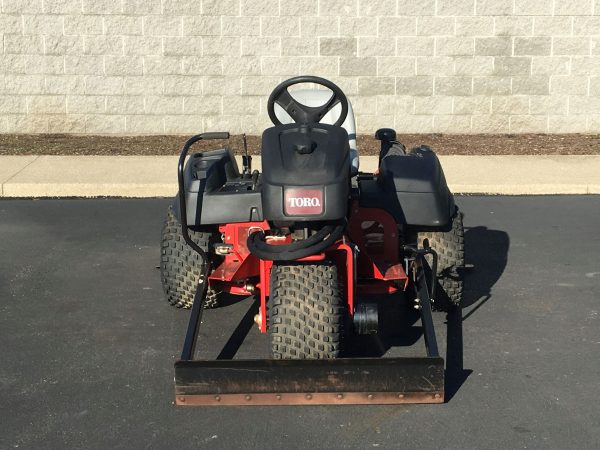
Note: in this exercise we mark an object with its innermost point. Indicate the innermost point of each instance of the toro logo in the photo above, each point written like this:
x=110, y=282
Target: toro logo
x=303, y=202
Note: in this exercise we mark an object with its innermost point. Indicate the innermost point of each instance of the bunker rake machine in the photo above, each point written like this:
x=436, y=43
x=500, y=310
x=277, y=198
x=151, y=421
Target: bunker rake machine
x=315, y=240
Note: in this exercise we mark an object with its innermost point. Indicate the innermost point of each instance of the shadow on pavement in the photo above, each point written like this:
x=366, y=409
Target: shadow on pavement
x=235, y=341
x=486, y=251
x=456, y=374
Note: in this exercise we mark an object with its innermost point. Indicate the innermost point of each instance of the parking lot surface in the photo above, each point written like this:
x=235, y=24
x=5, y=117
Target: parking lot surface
x=88, y=342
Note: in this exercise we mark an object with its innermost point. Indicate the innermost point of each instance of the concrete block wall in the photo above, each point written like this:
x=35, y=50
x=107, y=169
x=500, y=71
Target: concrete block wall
x=185, y=66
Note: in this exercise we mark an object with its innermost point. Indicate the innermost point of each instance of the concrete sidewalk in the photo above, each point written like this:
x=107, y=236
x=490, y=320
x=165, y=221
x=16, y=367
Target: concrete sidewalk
x=155, y=176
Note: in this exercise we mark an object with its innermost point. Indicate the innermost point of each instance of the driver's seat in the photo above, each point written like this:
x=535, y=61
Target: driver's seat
x=318, y=97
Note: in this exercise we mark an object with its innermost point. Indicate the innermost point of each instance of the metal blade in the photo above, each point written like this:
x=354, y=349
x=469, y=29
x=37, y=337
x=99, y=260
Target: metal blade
x=310, y=382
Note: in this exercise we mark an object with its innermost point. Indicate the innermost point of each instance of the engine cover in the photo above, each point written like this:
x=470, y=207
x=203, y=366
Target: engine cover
x=306, y=172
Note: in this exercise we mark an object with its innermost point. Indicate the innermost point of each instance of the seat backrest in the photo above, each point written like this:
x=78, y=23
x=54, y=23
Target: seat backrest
x=318, y=97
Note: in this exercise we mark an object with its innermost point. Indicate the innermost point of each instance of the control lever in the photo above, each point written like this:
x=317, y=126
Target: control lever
x=246, y=160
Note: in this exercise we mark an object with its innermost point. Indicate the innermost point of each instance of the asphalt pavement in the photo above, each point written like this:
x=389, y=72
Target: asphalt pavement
x=88, y=342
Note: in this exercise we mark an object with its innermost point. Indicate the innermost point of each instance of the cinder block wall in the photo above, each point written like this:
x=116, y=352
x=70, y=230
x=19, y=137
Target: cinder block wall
x=184, y=66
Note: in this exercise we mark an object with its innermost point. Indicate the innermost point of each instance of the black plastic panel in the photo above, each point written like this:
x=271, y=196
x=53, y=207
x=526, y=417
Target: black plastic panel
x=412, y=188
x=315, y=156
x=216, y=193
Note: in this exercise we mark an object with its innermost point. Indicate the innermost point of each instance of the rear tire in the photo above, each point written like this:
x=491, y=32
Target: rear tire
x=307, y=312
x=181, y=266
x=449, y=246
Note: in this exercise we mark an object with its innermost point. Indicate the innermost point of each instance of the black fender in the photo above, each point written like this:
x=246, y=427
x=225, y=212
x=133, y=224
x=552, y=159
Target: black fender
x=412, y=188
x=215, y=193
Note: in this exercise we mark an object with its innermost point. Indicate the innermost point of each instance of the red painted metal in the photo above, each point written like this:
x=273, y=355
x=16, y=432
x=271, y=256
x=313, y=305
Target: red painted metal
x=240, y=264
x=317, y=257
x=343, y=254
x=264, y=286
x=373, y=231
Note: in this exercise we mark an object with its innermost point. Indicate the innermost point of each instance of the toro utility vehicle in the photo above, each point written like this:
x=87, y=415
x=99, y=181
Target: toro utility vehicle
x=316, y=241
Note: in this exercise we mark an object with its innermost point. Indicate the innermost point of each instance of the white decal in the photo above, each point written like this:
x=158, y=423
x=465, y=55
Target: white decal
x=298, y=202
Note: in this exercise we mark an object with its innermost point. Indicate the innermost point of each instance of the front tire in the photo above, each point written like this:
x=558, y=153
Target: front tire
x=181, y=266
x=307, y=312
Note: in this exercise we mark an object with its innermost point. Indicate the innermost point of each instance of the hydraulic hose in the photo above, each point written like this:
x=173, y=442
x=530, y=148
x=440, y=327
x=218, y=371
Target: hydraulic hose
x=316, y=243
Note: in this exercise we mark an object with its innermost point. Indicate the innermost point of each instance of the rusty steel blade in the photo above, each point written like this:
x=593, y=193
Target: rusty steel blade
x=310, y=382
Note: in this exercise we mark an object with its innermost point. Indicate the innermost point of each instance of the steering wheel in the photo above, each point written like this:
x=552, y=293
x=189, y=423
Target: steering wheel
x=302, y=113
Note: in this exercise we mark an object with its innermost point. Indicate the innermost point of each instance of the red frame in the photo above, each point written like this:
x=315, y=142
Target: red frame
x=369, y=251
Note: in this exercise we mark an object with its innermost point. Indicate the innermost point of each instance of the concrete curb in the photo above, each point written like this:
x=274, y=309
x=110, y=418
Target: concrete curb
x=155, y=176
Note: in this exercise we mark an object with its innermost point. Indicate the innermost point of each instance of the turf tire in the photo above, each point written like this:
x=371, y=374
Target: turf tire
x=449, y=245
x=307, y=313
x=180, y=265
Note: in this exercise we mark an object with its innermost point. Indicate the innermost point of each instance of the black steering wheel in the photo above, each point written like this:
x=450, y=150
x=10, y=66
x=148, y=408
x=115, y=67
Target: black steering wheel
x=302, y=113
